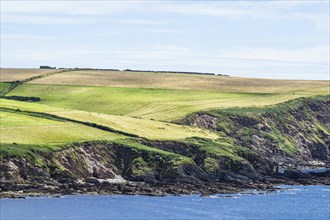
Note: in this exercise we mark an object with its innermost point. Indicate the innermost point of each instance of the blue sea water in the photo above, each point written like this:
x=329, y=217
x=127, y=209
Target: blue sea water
x=289, y=202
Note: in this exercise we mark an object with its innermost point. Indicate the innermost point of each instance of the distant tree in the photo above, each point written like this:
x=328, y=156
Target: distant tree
x=47, y=67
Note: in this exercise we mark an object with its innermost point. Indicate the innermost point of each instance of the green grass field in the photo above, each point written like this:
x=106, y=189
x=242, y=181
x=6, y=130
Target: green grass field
x=157, y=104
x=141, y=104
x=3, y=87
x=141, y=127
x=24, y=129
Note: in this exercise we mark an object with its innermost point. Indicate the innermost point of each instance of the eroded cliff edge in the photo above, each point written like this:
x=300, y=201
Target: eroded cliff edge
x=294, y=133
x=253, y=144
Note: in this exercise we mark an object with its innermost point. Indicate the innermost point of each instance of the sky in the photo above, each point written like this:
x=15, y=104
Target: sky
x=263, y=39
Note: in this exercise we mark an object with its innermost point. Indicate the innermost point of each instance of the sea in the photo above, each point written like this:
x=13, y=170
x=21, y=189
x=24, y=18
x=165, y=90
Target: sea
x=287, y=202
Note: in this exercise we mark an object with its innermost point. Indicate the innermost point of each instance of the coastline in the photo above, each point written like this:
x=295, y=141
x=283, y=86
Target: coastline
x=21, y=191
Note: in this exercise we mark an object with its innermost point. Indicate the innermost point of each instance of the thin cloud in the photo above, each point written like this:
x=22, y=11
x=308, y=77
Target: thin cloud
x=144, y=22
x=312, y=54
x=66, y=7
x=271, y=10
x=161, y=30
x=45, y=20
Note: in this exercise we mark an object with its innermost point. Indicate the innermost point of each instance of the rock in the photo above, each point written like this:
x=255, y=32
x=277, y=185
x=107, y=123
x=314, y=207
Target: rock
x=206, y=121
x=295, y=174
x=262, y=127
x=93, y=180
x=321, y=174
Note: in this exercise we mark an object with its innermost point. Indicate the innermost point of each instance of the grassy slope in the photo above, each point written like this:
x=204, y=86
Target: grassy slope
x=23, y=135
x=141, y=127
x=164, y=96
x=158, y=104
x=25, y=129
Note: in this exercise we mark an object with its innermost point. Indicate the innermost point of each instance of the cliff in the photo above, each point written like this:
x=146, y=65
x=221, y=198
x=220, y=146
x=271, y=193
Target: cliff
x=253, y=144
x=291, y=134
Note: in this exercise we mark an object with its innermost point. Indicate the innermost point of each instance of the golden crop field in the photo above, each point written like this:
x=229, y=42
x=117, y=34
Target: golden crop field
x=130, y=79
x=13, y=74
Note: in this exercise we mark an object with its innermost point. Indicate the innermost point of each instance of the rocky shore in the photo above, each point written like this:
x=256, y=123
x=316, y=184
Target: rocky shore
x=94, y=186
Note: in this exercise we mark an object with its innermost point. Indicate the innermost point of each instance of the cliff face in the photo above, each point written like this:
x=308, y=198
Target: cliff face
x=290, y=134
x=253, y=143
x=101, y=160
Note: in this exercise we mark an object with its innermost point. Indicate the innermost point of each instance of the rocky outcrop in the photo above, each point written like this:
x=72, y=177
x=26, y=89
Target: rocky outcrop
x=289, y=134
x=101, y=160
x=245, y=165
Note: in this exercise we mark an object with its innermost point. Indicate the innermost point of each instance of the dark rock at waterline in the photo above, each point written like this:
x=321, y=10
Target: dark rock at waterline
x=296, y=174
x=321, y=174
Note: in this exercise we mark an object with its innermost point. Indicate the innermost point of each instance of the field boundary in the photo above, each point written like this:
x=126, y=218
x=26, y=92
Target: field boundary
x=60, y=118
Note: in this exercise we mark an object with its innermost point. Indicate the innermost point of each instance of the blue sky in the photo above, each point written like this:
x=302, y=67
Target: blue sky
x=264, y=39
